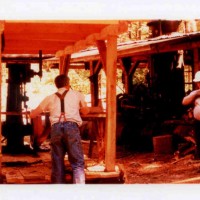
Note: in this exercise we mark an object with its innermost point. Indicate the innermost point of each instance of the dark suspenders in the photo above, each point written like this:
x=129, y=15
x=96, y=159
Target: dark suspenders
x=62, y=96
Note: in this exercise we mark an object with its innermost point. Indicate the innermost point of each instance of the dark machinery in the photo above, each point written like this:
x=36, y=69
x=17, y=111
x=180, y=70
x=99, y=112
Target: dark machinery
x=148, y=104
x=16, y=126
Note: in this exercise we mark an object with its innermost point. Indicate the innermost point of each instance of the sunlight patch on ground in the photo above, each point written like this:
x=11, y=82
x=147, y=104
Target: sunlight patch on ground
x=189, y=180
x=151, y=167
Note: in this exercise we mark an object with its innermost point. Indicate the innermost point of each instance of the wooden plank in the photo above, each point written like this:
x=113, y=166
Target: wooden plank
x=111, y=68
x=100, y=127
x=98, y=171
x=35, y=173
x=94, y=116
x=31, y=174
x=14, y=113
x=97, y=67
x=14, y=176
x=98, y=131
x=95, y=175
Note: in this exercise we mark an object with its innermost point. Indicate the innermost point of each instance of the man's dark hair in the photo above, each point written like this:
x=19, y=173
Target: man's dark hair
x=61, y=80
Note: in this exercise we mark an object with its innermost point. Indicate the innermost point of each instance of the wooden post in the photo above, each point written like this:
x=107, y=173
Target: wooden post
x=126, y=65
x=64, y=64
x=1, y=32
x=102, y=52
x=94, y=83
x=62, y=58
x=110, y=137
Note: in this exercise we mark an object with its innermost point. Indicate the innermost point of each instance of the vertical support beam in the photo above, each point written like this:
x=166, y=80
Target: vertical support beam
x=111, y=73
x=62, y=59
x=102, y=52
x=126, y=85
x=196, y=60
x=40, y=64
x=94, y=83
x=64, y=64
x=127, y=63
x=67, y=64
x=1, y=32
x=91, y=83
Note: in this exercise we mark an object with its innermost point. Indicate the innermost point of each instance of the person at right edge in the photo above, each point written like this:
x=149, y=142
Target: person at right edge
x=194, y=99
x=64, y=108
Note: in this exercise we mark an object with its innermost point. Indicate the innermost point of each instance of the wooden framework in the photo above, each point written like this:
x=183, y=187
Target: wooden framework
x=111, y=69
x=139, y=53
x=30, y=36
x=64, y=38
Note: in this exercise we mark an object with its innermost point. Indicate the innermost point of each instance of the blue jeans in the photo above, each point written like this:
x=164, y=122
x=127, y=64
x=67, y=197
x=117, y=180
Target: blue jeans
x=65, y=137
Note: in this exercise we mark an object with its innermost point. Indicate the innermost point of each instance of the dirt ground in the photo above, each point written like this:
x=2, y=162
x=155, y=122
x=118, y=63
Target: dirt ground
x=148, y=168
x=137, y=168
x=146, y=177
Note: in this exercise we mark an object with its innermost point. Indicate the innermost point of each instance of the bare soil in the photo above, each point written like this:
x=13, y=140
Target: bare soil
x=148, y=168
x=137, y=168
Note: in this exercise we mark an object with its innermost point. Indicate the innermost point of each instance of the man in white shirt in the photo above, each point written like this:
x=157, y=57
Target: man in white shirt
x=64, y=108
x=194, y=99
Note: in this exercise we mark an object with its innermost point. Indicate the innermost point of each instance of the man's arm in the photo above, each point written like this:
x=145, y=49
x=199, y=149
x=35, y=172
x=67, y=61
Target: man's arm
x=84, y=108
x=35, y=112
x=40, y=108
x=189, y=99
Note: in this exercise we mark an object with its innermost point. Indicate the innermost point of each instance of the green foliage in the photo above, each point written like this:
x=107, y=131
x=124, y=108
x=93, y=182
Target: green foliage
x=139, y=76
x=79, y=80
x=136, y=31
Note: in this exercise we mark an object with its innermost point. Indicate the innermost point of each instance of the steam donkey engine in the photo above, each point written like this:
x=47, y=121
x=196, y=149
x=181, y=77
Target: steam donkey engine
x=17, y=124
